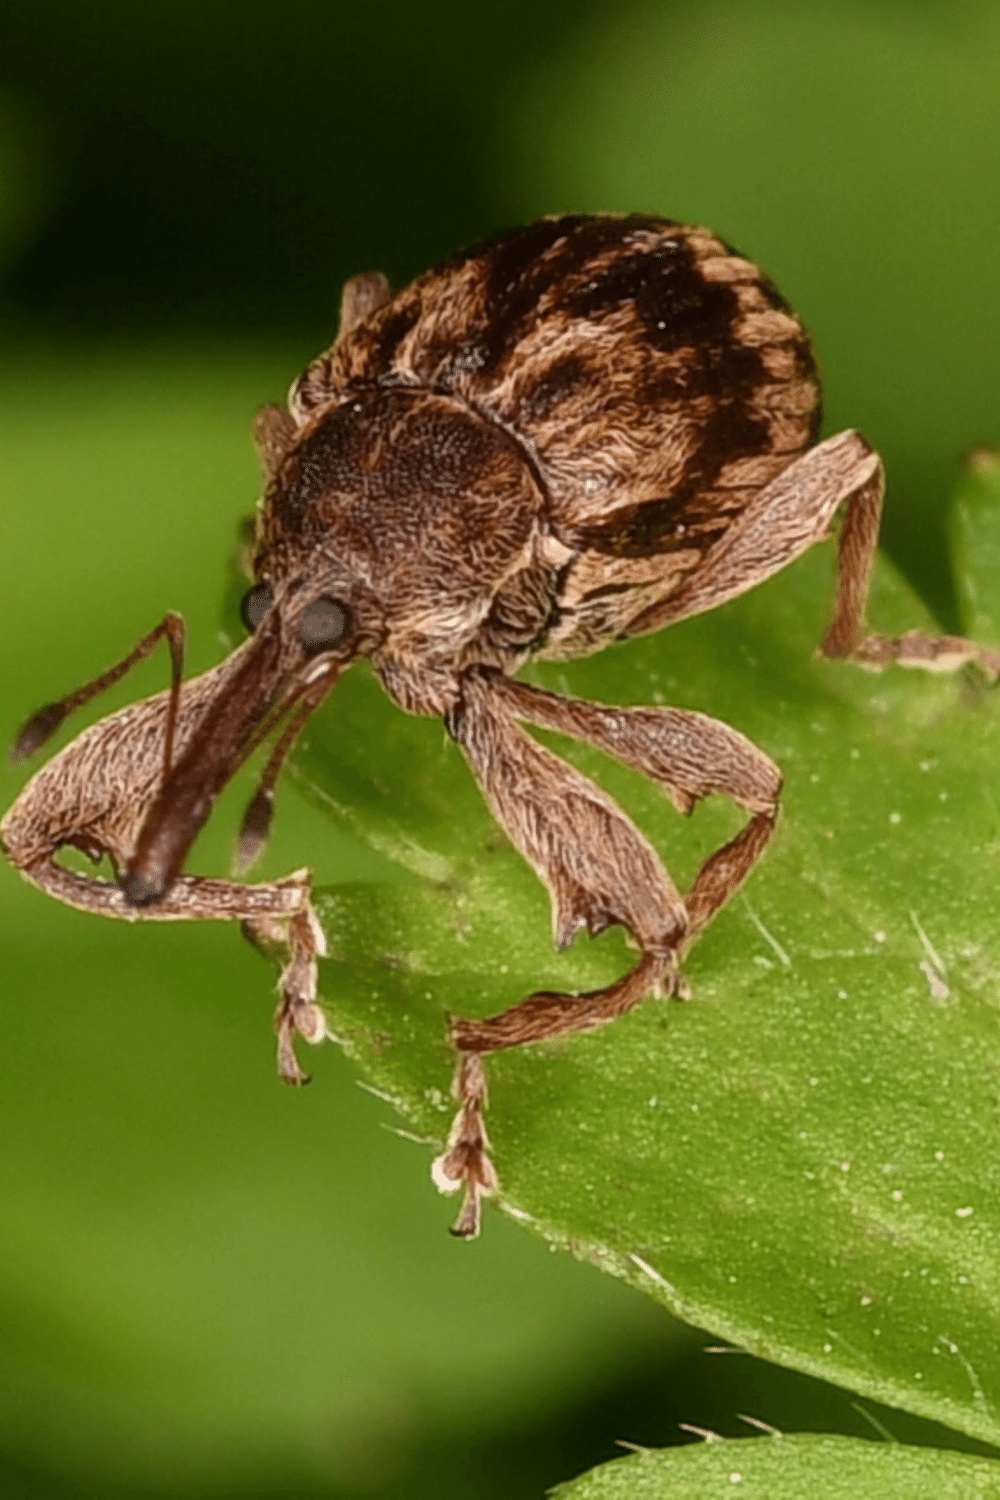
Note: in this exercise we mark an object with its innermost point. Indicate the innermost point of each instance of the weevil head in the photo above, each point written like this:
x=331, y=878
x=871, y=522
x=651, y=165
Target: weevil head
x=387, y=526
x=405, y=506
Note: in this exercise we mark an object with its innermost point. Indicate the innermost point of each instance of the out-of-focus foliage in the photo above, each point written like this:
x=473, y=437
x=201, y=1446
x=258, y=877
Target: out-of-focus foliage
x=25, y=175
x=204, y=1280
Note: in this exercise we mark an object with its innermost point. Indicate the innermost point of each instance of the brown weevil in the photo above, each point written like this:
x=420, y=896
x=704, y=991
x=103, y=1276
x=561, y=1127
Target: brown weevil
x=576, y=432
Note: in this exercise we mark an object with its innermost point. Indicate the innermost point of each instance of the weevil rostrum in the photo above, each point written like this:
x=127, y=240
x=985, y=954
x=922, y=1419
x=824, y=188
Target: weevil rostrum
x=573, y=433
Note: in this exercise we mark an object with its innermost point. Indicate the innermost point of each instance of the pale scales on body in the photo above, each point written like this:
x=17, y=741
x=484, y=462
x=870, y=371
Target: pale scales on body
x=577, y=432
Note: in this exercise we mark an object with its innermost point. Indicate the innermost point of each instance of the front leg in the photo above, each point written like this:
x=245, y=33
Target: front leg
x=278, y=913
x=298, y=1013
x=95, y=795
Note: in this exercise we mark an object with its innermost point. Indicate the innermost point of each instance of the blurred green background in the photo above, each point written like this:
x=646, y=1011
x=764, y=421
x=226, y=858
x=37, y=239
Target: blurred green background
x=210, y=1285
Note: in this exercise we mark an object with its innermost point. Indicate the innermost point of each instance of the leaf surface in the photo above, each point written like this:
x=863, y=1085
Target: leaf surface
x=826, y=1468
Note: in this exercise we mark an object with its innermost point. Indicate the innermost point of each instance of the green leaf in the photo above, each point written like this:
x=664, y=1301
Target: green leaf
x=804, y=1158
x=976, y=545
x=786, y=1468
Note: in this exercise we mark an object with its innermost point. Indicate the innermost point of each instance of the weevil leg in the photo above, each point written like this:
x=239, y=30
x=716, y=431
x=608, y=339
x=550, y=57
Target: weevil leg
x=298, y=1014
x=783, y=520
x=362, y=295
x=43, y=724
x=599, y=870
x=597, y=866
x=845, y=636
x=722, y=874
x=95, y=795
x=465, y=1162
x=689, y=754
x=277, y=913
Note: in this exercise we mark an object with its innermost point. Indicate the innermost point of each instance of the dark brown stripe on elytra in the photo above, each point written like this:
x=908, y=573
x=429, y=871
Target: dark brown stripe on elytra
x=512, y=281
x=517, y=277
x=553, y=384
x=583, y=239
x=515, y=259
x=677, y=306
x=731, y=432
x=515, y=285
x=514, y=253
x=518, y=269
x=517, y=248
x=385, y=333
x=606, y=591
x=655, y=528
x=691, y=516
x=721, y=371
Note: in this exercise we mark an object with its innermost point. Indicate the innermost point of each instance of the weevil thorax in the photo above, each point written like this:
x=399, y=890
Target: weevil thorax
x=414, y=512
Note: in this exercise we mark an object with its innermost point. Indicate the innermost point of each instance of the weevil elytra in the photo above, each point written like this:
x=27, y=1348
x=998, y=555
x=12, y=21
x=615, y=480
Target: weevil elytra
x=577, y=432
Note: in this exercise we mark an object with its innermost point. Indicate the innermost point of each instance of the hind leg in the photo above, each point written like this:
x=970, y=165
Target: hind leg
x=785, y=519
x=846, y=637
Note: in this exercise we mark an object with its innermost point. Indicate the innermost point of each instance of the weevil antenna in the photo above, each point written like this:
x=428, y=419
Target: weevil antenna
x=175, y=641
x=256, y=824
x=42, y=725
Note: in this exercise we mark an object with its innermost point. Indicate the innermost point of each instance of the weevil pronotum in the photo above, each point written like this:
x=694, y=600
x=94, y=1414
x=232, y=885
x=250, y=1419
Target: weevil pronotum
x=576, y=432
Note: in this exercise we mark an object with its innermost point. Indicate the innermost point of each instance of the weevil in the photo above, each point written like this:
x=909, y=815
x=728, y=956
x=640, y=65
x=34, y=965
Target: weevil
x=573, y=433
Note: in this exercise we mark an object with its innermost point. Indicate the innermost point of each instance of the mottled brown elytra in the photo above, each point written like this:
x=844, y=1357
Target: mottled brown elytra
x=573, y=433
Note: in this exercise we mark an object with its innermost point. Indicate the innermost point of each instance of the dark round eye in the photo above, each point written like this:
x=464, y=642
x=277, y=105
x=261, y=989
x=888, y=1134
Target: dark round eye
x=324, y=623
x=255, y=605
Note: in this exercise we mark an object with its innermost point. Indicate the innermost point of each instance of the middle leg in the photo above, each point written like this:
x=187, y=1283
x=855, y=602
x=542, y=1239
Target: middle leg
x=597, y=866
x=690, y=755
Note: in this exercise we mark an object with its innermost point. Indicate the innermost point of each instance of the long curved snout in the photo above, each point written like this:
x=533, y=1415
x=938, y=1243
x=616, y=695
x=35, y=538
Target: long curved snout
x=211, y=754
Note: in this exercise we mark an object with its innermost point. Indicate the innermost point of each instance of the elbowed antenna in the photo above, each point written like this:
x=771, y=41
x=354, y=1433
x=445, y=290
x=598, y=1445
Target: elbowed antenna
x=43, y=724
x=256, y=824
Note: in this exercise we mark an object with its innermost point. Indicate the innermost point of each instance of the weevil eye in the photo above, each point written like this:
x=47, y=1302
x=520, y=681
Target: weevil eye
x=324, y=624
x=255, y=605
